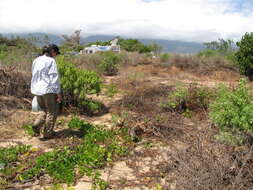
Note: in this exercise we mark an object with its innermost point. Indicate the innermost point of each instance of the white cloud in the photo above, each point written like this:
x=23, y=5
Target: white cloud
x=191, y=20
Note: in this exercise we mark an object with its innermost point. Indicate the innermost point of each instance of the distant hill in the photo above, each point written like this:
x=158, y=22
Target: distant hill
x=40, y=37
x=168, y=45
x=176, y=46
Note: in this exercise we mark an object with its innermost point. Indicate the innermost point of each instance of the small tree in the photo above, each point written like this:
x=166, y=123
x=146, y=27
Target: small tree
x=244, y=56
x=156, y=48
x=132, y=45
x=222, y=46
x=110, y=63
x=72, y=40
x=46, y=40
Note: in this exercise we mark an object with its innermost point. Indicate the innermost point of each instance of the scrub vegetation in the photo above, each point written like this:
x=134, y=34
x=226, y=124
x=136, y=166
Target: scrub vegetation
x=132, y=120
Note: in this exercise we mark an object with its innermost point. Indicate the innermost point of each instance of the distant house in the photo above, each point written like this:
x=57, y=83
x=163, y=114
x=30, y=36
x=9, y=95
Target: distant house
x=97, y=48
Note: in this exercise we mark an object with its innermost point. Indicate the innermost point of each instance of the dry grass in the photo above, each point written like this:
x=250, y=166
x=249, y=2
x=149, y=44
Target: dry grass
x=204, y=66
x=14, y=83
x=207, y=164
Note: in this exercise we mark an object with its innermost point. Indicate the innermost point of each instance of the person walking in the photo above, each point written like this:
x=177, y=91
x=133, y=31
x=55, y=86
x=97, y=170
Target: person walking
x=45, y=85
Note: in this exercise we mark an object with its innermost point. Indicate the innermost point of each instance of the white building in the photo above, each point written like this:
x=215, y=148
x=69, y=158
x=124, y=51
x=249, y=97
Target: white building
x=97, y=48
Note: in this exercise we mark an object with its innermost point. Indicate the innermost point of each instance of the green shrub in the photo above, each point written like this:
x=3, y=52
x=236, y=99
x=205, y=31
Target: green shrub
x=244, y=56
x=91, y=107
x=178, y=97
x=164, y=57
x=76, y=83
x=187, y=99
x=110, y=63
x=76, y=123
x=208, y=53
x=233, y=109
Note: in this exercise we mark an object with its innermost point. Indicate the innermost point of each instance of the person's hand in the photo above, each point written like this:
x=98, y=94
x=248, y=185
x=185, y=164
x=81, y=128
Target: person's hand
x=59, y=98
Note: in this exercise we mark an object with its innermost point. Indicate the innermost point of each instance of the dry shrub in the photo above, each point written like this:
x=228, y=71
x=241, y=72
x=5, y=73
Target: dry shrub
x=14, y=91
x=145, y=99
x=133, y=58
x=206, y=164
x=225, y=75
x=145, y=60
x=14, y=83
x=130, y=81
x=87, y=61
x=9, y=106
x=146, y=117
x=192, y=100
x=202, y=66
x=91, y=61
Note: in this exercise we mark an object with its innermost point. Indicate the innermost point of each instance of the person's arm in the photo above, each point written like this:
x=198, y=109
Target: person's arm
x=55, y=81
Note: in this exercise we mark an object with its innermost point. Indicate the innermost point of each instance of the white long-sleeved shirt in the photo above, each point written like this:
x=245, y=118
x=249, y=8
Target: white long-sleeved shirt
x=45, y=77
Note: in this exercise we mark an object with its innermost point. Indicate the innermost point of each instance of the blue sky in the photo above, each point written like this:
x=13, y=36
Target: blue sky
x=188, y=20
x=242, y=6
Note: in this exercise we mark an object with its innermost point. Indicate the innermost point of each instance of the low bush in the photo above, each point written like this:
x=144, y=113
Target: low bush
x=92, y=107
x=110, y=63
x=77, y=83
x=76, y=123
x=145, y=59
x=164, y=57
x=209, y=165
x=204, y=65
x=233, y=108
x=14, y=83
x=177, y=98
x=192, y=98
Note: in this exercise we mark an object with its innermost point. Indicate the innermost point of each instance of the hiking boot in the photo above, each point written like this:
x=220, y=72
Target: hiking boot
x=49, y=135
x=36, y=131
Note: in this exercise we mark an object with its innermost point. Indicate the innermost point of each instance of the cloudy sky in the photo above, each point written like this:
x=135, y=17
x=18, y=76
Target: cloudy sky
x=188, y=20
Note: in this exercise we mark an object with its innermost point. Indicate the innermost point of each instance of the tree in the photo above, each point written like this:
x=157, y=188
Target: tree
x=156, y=48
x=46, y=40
x=72, y=40
x=133, y=45
x=221, y=46
x=244, y=56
